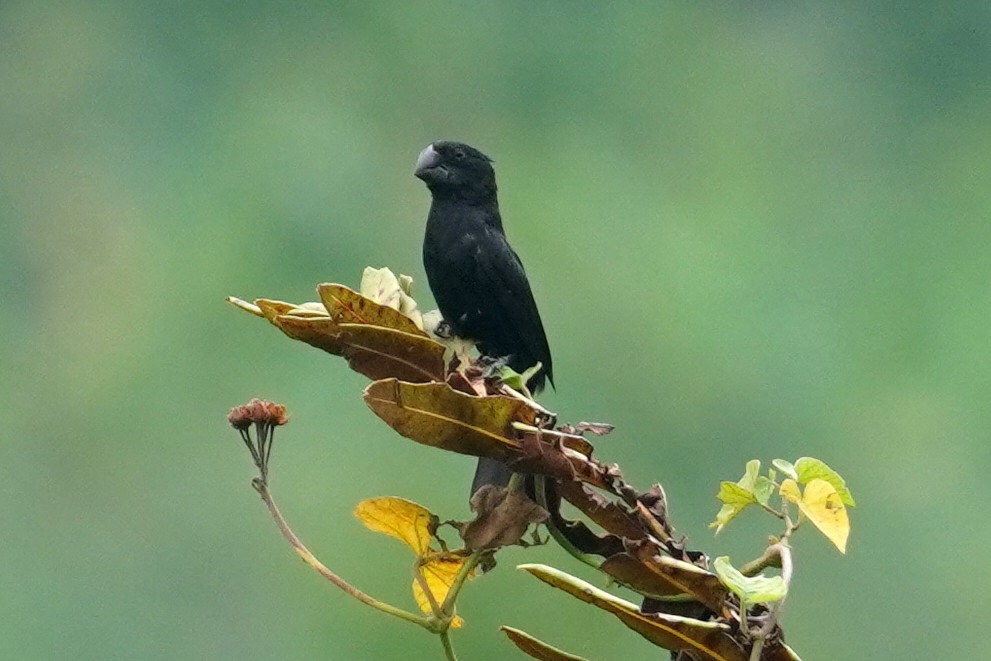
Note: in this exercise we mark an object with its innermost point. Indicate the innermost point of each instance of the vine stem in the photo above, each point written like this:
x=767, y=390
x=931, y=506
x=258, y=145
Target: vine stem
x=262, y=488
x=783, y=551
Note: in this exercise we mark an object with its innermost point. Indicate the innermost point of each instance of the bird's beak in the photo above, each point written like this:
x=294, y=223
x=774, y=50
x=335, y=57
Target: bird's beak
x=427, y=160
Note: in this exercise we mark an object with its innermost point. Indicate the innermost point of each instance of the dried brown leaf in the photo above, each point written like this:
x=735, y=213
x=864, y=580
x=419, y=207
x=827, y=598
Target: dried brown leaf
x=612, y=516
x=537, y=649
x=344, y=305
x=579, y=535
x=374, y=351
x=708, y=641
x=643, y=568
x=597, y=428
x=434, y=414
x=376, y=340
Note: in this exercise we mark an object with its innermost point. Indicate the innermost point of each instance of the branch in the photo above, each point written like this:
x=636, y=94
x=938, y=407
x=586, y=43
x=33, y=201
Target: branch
x=307, y=557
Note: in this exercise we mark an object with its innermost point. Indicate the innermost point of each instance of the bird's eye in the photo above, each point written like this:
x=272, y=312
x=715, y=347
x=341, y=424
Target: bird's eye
x=459, y=155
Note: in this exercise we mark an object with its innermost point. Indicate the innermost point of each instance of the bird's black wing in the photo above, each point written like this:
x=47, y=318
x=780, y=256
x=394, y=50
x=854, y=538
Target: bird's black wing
x=511, y=309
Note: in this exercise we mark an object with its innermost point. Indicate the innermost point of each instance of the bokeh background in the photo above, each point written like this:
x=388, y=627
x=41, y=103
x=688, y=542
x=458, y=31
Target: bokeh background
x=754, y=230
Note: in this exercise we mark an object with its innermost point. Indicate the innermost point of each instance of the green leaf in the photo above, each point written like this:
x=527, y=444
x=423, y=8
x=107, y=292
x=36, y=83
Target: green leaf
x=786, y=467
x=750, y=589
x=737, y=496
x=763, y=489
x=810, y=468
x=731, y=493
x=735, y=499
x=750, y=475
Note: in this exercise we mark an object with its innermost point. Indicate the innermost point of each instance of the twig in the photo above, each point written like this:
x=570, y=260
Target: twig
x=447, y=608
x=522, y=426
x=322, y=569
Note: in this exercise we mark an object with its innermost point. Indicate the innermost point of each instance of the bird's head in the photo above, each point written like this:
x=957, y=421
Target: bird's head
x=454, y=170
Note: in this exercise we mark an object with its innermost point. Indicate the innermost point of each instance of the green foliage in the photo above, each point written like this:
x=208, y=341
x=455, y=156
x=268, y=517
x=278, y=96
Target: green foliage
x=750, y=589
x=822, y=501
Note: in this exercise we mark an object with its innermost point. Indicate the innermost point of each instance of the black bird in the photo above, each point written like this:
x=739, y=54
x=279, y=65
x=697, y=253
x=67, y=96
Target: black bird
x=477, y=279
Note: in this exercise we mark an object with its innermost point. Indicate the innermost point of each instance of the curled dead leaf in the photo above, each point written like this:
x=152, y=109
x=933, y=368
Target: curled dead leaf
x=502, y=516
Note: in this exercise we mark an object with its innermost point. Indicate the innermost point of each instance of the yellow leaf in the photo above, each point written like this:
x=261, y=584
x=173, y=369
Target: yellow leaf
x=439, y=573
x=400, y=518
x=789, y=489
x=824, y=507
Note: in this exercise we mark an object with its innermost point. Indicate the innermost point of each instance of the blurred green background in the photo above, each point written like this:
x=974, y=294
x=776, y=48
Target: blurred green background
x=754, y=230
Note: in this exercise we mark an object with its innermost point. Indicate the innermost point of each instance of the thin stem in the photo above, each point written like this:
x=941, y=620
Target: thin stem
x=786, y=564
x=421, y=580
x=312, y=561
x=251, y=447
x=558, y=536
x=757, y=650
x=445, y=640
x=522, y=426
x=447, y=608
x=268, y=453
x=770, y=558
x=781, y=515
